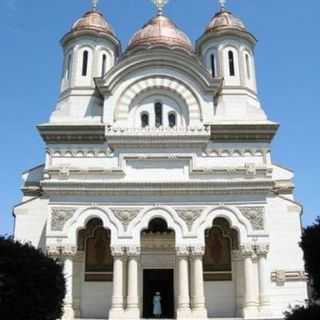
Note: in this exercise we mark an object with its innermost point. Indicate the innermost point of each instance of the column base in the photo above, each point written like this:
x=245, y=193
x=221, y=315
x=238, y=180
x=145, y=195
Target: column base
x=115, y=314
x=184, y=313
x=132, y=313
x=68, y=313
x=250, y=312
x=199, y=313
x=265, y=310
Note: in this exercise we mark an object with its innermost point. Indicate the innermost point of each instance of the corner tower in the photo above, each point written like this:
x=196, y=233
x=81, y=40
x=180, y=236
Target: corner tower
x=91, y=49
x=226, y=48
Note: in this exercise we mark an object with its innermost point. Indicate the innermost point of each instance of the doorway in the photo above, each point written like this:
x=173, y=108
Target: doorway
x=158, y=280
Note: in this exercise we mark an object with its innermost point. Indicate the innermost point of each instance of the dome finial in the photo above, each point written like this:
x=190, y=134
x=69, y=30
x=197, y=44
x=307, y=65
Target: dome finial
x=95, y=4
x=160, y=4
x=222, y=4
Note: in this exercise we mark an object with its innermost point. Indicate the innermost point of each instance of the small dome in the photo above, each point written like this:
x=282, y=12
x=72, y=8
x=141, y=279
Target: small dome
x=160, y=30
x=93, y=20
x=225, y=20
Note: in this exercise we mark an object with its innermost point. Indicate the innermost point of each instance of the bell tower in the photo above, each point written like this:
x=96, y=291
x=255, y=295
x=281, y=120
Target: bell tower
x=226, y=48
x=91, y=49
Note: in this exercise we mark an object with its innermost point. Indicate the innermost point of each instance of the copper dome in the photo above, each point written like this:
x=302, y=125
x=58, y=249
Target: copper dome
x=160, y=30
x=93, y=20
x=225, y=20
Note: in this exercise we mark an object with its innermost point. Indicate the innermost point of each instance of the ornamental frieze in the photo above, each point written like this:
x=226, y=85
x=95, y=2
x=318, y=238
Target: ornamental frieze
x=126, y=215
x=255, y=215
x=59, y=217
x=189, y=215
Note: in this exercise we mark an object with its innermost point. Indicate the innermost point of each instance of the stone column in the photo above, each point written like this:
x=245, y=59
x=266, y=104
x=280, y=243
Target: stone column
x=183, y=309
x=250, y=309
x=262, y=252
x=78, y=267
x=197, y=291
x=117, y=308
x=133, y=310
x=237, y=276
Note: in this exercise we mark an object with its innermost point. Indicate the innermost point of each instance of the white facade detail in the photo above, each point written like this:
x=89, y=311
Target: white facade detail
x=159, y=174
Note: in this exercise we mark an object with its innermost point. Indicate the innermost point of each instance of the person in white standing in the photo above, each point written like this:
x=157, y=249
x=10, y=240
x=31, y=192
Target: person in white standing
x=157, y=310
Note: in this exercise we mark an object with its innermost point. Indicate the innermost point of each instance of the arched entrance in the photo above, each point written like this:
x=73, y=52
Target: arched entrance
x=158, y=269
x=96, y=280
x=219, y=276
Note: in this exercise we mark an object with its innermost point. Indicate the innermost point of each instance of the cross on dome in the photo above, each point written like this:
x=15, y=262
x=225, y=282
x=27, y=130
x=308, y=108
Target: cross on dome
x=95, y=4
x=160, y=4
x=222, y=4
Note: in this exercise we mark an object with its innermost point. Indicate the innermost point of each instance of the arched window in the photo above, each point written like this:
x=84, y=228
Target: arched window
x=213, y=65
x=144, y=120
x=68, y=67
x=85, y=63
x=172, y=119
x=104, y=64
x=158, y=114
x=248, y=66
x=231, y=64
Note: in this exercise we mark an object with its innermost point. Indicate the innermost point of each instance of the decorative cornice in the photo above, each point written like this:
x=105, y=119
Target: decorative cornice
x=179, y=188
x=126, y=215
x=137, y=137
x=77, y=133
x=243, y=132
x=189, y=215
x=255, y=215
x=59, y=216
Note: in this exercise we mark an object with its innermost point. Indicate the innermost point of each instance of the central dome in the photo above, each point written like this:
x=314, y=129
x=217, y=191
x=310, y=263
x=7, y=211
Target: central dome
x=160, y=30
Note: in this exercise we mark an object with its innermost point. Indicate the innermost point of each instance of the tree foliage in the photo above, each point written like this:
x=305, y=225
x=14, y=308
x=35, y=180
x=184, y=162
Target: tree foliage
x=32, y=285
x=310, y=244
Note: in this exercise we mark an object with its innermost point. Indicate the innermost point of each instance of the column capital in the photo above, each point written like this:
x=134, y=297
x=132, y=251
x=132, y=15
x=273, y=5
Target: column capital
x=262, y=249
x=182, y=251
x=197, y=251
x=247, y=250
x=133, y=251
x=117, y=251
x=236, y=255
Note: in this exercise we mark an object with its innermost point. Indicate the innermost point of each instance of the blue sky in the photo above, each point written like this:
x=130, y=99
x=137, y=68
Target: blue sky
x=287, y=60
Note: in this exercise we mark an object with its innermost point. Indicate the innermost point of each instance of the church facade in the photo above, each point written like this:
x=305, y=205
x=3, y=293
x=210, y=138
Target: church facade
x=158, y=178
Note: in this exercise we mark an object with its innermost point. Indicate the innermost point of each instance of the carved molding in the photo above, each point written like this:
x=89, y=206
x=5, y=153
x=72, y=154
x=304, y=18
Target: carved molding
x=282, y=276
x=247, y=250
x=182, y=251
x=57, y=250
x=255, y=215
x=126, y=215
x=59, y=217
x=189, y=215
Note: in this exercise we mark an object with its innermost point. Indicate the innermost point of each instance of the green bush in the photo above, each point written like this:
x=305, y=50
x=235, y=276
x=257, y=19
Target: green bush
x=311, y=312
x=32, y=285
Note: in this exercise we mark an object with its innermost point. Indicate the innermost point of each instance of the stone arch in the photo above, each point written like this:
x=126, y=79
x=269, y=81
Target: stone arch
x=158, y=82
x=83, y=216
x=232, y=215
x=142, y=221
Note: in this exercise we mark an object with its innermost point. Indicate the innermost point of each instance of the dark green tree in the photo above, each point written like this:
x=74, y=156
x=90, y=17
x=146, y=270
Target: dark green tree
x=310, y=244
x=32, y=285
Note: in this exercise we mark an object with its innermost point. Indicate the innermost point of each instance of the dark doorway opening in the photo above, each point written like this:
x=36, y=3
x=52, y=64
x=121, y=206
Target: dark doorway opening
x=158, y=281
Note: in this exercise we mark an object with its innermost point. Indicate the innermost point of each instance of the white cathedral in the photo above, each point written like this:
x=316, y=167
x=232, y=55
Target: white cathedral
x=158, y=178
